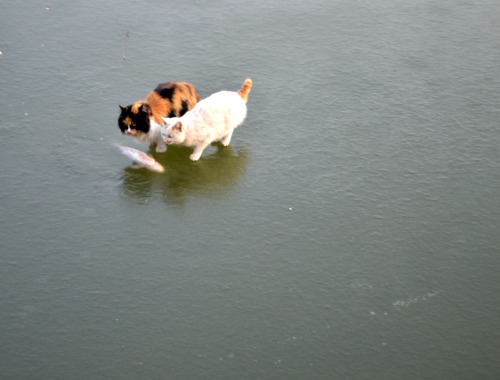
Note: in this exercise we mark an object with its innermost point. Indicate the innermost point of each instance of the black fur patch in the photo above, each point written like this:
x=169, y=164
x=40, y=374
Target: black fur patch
x=166, y=90
x=185, y=107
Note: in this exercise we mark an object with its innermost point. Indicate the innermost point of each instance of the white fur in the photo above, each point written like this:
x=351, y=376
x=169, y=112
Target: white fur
x=153, y=137
x=212, y=119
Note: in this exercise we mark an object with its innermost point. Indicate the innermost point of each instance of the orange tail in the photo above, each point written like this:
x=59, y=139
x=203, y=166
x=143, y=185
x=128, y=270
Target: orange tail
x=245, y=89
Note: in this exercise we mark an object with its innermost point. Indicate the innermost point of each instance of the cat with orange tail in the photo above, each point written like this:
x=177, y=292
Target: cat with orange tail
x=212, y=119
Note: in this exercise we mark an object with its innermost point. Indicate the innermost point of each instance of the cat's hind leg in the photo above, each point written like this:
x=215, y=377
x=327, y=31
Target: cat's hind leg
x=227, y=139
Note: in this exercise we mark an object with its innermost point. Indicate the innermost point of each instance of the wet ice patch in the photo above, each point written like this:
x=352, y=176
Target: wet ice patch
x=413, y=300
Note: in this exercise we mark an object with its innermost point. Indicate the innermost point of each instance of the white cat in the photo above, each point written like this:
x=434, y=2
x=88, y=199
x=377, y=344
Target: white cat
x=212, y=119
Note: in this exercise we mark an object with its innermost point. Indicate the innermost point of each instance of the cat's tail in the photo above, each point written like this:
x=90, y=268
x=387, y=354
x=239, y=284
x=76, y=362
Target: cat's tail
x=245, y=89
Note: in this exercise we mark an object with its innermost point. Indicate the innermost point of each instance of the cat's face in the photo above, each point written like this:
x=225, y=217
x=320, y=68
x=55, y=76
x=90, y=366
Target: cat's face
x=134, y=120
x=172, y=131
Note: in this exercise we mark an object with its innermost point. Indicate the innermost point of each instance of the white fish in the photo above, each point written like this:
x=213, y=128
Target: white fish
x=143, y=159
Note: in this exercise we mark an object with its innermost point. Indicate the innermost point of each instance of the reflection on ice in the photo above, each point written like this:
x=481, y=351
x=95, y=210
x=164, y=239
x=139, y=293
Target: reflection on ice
x=214, y=174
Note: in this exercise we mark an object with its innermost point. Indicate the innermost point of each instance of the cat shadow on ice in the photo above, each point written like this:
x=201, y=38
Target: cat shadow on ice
x=217, y=173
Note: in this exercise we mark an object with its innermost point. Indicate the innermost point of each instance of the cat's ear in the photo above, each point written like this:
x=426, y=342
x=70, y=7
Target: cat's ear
x=178, y=126
x=145, y=108
x=121, y=108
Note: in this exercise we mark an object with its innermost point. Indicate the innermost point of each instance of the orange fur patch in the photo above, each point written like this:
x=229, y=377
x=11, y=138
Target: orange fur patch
x=159, y=106
x=245, y=89
x=136, y=105
x=183, y=94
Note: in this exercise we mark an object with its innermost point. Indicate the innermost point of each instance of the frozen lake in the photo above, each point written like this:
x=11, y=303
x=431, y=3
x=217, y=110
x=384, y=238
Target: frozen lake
x=350, y=231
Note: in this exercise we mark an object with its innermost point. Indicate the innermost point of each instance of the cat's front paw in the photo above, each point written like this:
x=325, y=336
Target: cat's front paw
x=195, y=157
x=161, y=148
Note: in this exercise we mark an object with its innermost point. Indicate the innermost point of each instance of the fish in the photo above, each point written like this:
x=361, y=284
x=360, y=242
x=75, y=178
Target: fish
x=143, y=159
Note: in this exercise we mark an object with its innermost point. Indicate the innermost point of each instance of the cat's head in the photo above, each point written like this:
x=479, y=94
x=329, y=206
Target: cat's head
x=134, y=119
x=172, y=131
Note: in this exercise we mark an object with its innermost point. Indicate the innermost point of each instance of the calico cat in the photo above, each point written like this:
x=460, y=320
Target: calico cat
x=210, y=120
x=143, y=119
